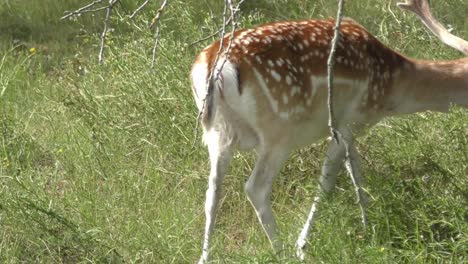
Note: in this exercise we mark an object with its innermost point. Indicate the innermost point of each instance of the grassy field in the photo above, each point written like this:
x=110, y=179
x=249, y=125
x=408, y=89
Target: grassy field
x=96, y=164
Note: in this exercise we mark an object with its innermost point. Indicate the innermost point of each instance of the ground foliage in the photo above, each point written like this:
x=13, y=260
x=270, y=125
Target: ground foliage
x=96, y=164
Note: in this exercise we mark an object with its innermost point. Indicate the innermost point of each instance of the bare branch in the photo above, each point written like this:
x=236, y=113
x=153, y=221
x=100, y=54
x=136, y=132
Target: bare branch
x=228, y=21
x=89, y=8
x=211, y=35
x=209, y=87
x=330, y=65
x=353, y=173
x=106, y=28
x=81, y=10
x=93, y=10
x=233, y=11
x=232, y=19
x=138, y=10
x=109, y=8
x=335, y=133
x=155, y=23
x=155, y=20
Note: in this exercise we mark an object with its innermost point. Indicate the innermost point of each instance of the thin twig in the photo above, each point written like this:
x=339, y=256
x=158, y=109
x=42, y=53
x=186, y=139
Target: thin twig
x=155, y=23
x=231, y=37
x=355, y=180
x=109, y=8
x=210, y=36
x=330, y=66
x=209, y=87
x=232, y=19
x=87, y=9
x=335, y=133
x=155, y=47
x=229, y=21
x=81, y=10
x=155, y=20
x=138, y=10
x=93, y=10
x=106, y=28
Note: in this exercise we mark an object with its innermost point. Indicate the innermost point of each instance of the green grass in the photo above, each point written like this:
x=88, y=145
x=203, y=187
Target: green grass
x=96, y=164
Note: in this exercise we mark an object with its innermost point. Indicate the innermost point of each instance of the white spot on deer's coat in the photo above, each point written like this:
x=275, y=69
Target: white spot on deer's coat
x=258, y=59
x=275, y=75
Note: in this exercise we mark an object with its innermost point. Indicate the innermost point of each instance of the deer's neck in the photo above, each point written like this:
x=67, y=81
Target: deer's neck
x=430, y=85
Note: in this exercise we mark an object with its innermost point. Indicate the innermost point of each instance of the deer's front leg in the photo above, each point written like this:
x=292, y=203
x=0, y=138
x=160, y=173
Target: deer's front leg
x=220, y=156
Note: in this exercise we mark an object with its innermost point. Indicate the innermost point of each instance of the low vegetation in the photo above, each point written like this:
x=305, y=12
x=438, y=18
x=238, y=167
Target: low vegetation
x=96, y=163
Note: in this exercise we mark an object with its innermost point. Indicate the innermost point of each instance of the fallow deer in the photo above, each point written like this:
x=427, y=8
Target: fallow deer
x=271, y=95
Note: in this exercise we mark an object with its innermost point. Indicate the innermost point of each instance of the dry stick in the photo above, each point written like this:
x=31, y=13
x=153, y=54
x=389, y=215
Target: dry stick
x=211, y=35
x=231, y=38
x=330, y=65
x=354, y=179
x=335, y=133
x=82, y=9
x=219, y=30
x=106, y=27
x=139, y=9
x=87, y=9
x=209, y=89
x=155, y=23
x=93, y=10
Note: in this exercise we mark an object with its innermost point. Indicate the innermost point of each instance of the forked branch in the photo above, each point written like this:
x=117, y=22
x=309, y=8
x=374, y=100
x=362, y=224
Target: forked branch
x=96, y=6
x=155, y=24
x=335, y=133
x=330, y=65
x=422, y=10
x=215, y=71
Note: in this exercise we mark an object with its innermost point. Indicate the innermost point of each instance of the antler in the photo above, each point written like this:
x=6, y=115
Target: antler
x=422, y=10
